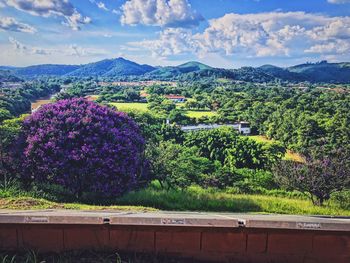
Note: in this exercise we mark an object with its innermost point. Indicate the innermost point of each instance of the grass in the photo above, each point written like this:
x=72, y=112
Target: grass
x=198, y=199
x=130, y=106
x=26, y=202
x=200, y=114
x=290, y=155
x=192, y=199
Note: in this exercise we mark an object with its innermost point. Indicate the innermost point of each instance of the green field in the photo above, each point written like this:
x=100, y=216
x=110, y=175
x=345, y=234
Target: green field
x=199, y=114
x=143, y=107
x=130, y=106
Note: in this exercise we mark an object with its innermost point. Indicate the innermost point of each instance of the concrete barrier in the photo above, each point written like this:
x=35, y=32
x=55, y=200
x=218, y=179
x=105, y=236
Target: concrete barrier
x=219, y=237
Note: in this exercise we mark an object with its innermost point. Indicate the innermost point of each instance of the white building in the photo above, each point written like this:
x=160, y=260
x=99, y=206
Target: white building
x=242, y=127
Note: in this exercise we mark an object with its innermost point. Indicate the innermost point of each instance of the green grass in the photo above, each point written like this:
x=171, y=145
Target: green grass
x=192, y=199
x=198, y=199
x=199, y=114
x=27, y=202
x=130, y=106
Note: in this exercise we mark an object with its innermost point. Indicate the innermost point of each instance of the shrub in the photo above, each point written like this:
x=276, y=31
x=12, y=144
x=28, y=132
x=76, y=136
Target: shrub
x=83, y=147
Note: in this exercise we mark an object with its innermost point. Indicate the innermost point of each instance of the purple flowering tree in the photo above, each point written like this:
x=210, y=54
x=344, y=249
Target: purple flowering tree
x=319, y=176
x=84, y=147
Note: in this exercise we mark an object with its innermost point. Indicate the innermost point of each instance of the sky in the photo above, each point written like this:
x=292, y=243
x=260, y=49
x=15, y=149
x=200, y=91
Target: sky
x=220, y=33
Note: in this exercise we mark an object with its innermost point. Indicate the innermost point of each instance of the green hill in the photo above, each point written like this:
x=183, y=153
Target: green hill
x=111, y=68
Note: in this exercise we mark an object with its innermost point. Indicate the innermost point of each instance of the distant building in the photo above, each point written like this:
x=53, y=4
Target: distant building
x=242, y=127
x=176, y=98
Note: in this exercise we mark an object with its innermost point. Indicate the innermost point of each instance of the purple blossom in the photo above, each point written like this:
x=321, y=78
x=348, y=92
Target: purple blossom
x=84, y=147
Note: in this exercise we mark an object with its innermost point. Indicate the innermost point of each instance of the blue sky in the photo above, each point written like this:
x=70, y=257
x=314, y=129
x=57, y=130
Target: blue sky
x=221, y=33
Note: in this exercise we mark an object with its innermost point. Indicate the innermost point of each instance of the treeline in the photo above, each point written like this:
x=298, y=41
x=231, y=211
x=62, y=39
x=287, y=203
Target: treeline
x=17, y=100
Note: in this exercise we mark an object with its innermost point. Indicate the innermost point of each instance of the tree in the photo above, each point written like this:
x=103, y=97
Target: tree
x=319, y=176
x=177, y=166
x=9, y=130
x=83, y=147
x=4, y=115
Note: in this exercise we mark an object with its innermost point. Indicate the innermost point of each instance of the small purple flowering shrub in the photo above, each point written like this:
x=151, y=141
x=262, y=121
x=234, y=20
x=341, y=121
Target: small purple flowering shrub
x=84, y=147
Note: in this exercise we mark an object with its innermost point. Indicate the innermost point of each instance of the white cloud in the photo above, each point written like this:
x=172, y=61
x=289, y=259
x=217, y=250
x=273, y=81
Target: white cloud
x=117, y=12
x=338, y=1
x=84, y=52
x=172, y=41
x=334, y=47
x=100, y=5
x=11, y=24
x=289, y=34
x=24, y=49
x=48, y=8
x=71, y=50
x=165, y=13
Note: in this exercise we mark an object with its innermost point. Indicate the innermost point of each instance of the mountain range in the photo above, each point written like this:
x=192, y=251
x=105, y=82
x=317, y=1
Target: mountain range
x=122, y=68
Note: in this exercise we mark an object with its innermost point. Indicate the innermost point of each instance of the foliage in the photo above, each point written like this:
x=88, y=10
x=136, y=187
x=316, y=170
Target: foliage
x=227, y=147
x=9, y=130
x=319, y=176
x=176, y=166
x=83, y=147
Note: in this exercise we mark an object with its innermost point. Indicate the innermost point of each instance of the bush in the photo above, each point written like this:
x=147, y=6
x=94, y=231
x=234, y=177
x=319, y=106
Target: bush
x=83, y=147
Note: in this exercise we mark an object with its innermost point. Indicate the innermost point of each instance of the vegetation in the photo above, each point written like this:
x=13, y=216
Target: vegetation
x=199, y=199
x=317, y=176
x=81, y=146
x=93, y=154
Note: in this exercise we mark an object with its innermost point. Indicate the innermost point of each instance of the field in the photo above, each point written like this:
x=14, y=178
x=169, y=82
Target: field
x=130, y=106
x=143, y=107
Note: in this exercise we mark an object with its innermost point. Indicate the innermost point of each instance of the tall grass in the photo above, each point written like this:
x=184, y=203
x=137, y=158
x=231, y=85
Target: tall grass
x=199, y=199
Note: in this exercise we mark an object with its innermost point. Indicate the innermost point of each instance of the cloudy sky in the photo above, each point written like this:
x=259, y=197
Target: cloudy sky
x=220, y=33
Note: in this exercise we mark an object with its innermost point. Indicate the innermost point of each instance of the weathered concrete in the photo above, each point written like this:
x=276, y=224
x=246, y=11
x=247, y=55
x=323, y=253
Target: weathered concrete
x=224, y=237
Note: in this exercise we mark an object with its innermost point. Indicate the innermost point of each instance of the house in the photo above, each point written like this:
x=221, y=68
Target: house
x=242, y=127
x=175, y=98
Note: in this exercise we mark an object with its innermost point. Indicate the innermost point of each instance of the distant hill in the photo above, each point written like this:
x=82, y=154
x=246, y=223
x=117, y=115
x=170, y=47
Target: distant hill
x=323, y=72
x=44, y=70
x=176, y=71
x=7, y=76
x=120, y=68
x=111, y=68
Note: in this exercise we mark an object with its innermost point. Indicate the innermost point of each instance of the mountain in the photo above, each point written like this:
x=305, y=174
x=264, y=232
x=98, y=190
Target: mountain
x=121, y=68
x=323, y=72
x=44, y=70
x=7, y=76
x=111, y=68
x=175, y=71
x=281, y=73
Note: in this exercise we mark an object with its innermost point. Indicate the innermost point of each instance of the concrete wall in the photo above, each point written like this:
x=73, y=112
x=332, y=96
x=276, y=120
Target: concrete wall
x=259, y=245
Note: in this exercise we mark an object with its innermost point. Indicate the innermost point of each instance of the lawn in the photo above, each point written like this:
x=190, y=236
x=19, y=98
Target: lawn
x=200, y=114
x=130, y=106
